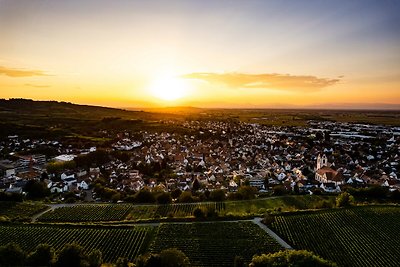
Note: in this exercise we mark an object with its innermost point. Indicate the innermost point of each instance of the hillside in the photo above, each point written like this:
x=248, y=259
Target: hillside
x=50, y=118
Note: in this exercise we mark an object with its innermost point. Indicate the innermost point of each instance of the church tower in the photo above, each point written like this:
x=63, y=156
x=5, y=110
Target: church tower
x=322, y=161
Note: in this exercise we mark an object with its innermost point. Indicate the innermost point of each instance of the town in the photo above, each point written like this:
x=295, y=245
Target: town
x=324, y=157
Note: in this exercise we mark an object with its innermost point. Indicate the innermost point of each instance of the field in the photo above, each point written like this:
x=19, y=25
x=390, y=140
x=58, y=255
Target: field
x=172, y=210
x=119, y=212
x=284, y=203
x=215, y=244
x=359, y=236
x=114, y=242
x=87, y=213
x=20, y=210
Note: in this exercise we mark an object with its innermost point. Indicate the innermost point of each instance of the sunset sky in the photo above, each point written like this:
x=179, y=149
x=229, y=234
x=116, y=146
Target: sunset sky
x=202, y=53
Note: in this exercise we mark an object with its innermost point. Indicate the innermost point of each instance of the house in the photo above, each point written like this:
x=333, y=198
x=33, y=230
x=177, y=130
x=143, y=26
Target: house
x=67, y=175
x=83, y=185
x=59, y=187
x=330, y=188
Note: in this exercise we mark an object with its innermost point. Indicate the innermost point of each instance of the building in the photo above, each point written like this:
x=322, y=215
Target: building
x=325, y=174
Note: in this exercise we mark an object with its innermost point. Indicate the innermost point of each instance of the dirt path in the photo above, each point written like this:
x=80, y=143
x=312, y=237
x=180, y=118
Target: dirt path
x=271, y=233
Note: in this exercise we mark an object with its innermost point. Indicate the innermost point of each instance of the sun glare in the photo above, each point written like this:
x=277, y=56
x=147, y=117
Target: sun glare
x=169, y=88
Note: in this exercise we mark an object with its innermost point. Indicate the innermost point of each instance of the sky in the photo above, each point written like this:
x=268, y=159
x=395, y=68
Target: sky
x=234, y=54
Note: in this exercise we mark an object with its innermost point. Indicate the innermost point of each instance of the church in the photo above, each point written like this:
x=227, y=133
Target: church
x=325, y=174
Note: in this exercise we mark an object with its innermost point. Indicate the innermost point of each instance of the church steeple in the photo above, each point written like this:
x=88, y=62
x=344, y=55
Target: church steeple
x=322, y=161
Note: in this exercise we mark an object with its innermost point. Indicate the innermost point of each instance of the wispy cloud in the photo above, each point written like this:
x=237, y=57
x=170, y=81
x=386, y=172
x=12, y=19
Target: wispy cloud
x=36, y=85
x=21, y=72
x=267, y=81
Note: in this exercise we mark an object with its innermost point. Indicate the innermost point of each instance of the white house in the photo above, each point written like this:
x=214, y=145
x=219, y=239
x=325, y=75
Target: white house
x=83, y=185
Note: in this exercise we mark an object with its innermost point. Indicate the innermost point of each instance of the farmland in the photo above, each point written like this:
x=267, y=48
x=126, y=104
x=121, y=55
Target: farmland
x=359, y=236
x=114, y=242
x=87, y=213
x=130, y=212
x=215, y=244
x=172, y=210
x=20, y=210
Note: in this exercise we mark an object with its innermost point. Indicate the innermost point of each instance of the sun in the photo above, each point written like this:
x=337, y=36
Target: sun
x=169, y=88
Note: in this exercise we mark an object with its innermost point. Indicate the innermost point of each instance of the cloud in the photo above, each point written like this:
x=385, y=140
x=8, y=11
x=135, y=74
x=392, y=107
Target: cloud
x=267, y=81
x=36, y=85
x=21, y=72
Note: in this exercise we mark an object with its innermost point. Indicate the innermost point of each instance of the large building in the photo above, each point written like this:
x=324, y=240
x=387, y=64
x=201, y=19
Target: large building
x=325, y=174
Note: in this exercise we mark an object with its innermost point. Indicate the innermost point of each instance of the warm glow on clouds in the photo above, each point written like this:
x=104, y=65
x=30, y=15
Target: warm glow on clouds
x=270, y=81
x=20, y=72
x=271, y=53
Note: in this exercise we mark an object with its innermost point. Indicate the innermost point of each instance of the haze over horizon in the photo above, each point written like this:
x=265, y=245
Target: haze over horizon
x=236, y=54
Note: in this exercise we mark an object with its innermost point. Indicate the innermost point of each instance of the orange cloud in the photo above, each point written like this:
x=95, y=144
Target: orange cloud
x=21, y=72
x=267, y=81
x=36, y=85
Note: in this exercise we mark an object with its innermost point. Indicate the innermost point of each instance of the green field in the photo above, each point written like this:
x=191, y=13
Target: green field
x=20, y=210
x=215, y=244
x=114, y=242
x=359, y=236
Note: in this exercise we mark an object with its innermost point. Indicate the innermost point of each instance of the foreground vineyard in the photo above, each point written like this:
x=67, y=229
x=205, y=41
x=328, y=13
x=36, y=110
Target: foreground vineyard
x=114, y=242
x=360, y=236
x=215, y=244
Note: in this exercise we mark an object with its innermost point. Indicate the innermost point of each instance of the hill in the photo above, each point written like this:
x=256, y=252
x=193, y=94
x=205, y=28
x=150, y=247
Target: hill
x=33, y=119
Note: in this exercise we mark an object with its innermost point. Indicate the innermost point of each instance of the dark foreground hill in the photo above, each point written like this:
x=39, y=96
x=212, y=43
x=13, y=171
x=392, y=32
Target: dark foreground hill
x=31, y=119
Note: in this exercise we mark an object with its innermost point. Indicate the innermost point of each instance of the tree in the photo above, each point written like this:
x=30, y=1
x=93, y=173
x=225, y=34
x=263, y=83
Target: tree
x=72, y=255
x=95, y=258
x=173, y=257
x=164, y=198
x=176, y=193
x=43, y=255
x=290, y=258
x=186, y=197
x=217, y=195
x=122, y=262
x=279, y=190
x=36, y=189
x=198, y=213
x=196, y=185
x=344, y=200
x=11, y=255
x=247, y=192
x=144, y=196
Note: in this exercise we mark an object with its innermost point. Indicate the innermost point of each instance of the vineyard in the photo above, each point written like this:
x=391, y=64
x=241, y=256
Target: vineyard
x=118, y=212
x=180, y=210
x=114, y=242
x=359, y=236
x=87, y=213
x=20, y=210
x=215, y=244
x=284, y=203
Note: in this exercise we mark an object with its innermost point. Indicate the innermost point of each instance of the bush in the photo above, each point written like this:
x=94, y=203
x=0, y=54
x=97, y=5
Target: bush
x=344, y=200
x=43, y=255
x=11, y=255
x=72, y=255
x=290, y=258
x=198, y=213
x=217, y=195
